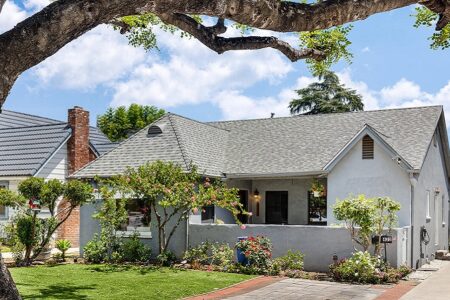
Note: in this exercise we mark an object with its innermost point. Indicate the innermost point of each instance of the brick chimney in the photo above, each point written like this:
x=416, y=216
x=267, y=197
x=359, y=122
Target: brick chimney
x=78, y=144
x=78, y=155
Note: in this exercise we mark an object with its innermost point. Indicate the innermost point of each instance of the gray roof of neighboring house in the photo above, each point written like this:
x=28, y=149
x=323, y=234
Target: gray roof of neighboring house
x=182, y=141
x=27, y=141
x=288, y=145
x=24, y=150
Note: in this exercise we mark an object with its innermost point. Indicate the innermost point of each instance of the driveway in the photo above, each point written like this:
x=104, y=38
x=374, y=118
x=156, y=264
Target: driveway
x=312, y=290
x=436, y=286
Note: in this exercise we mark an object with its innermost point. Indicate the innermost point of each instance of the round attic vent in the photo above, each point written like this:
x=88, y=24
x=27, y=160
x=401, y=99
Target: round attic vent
x=154, y=130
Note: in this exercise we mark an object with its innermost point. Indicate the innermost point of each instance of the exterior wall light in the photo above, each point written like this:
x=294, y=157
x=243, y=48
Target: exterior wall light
x=256, y=195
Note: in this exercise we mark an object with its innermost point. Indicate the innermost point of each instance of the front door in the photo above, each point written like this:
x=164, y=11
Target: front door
x=276, y=207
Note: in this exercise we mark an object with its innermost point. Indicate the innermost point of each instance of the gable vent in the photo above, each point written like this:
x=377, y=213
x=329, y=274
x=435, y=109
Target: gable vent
x=367, y=147
x=154, y=130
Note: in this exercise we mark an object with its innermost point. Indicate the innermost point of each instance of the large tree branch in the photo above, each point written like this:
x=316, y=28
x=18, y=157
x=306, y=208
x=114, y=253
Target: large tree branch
x=208, y=36
x=2, y=2
x=442, y=8
x=44, y=33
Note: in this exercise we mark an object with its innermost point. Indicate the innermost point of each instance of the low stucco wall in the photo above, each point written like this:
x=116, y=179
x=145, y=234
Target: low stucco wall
x=317, y=243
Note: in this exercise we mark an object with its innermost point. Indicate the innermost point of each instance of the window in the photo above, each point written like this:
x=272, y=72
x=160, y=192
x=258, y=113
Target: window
x=317, y=210
x=367, y=147
x=428, y=205
x=139, y=217
x=276, y=207
x=208, y=214
x=3, y=209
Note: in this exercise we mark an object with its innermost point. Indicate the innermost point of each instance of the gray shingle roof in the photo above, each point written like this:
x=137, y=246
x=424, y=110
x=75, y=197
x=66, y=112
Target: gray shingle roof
x=182, y=141
x=27, y=141
x=24, y=150
x=302, y=144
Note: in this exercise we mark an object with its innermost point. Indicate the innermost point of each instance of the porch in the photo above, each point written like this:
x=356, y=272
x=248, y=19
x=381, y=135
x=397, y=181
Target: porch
x=290, y=201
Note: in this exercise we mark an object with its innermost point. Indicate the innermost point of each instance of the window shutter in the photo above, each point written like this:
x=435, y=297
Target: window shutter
x=367, y=147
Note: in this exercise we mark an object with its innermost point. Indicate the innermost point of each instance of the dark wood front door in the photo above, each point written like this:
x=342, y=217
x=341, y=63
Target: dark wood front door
x=276, y=207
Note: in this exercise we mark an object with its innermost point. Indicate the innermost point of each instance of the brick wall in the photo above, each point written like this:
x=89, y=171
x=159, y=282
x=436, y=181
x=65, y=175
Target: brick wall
x=79, y=155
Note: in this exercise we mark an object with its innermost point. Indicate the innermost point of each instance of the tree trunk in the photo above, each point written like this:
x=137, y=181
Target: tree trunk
x=8, y=290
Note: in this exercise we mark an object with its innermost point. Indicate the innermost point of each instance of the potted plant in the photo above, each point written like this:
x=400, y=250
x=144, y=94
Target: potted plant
x=318, y=189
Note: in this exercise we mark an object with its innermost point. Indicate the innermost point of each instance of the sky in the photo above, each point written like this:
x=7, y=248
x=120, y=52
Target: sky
x=393, y=66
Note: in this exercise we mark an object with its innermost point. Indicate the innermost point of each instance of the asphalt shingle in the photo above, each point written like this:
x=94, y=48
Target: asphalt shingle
x=301, y=144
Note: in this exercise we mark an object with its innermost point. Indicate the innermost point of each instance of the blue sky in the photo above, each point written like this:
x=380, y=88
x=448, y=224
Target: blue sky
x=393, y=66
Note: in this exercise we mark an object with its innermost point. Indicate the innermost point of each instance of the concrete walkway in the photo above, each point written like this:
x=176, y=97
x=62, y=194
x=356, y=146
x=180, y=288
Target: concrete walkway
x=436, y=286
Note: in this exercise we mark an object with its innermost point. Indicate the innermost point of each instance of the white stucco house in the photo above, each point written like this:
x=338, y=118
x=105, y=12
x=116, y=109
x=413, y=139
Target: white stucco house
x=400, y=153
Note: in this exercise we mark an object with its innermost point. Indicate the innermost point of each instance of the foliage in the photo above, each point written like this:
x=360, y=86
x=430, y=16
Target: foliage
x=133, y=250
x=63, y=246
x=172, y=193
x=317, y=187
x=95, y=250
x=364, y=268
x=80, y=281
x=365, y=217
x=166, y=258
x=258, y=251
x=207, y=253
x=121, y=122
x=292, y=260
x=33, y=232
x=326, y=96
x=333, y=42
x=427, y=18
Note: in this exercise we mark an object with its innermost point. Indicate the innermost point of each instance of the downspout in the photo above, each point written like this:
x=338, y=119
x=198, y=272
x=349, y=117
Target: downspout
x=187, y=233
x=413, y=182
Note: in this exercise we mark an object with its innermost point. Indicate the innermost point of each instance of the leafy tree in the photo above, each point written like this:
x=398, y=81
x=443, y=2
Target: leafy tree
x=171, y=194
x=326, y=96
x=365, y=217
x=34, y=232
x=121, y=122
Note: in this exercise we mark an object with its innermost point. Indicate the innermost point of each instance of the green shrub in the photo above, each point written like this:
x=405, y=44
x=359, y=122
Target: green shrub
x=364, y=268
x=222, y=255
x=167, y=258
x=258, y=251
x=63, y=246
x=133, y=250
x=198, y=255
x=95, y=250
x=293, y=260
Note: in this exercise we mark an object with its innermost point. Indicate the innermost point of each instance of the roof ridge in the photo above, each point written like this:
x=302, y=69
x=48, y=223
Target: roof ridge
x=196, y=121
x=183, y=149
x=27, y=114
x=325, y=115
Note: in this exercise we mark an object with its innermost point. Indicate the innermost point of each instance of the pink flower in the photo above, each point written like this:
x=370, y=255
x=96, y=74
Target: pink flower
x=195, y=210
x=250, y=214
x=243, y=227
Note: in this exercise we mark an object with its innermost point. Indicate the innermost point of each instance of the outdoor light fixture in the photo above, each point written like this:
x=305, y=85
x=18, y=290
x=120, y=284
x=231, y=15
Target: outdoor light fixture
x=256, y=195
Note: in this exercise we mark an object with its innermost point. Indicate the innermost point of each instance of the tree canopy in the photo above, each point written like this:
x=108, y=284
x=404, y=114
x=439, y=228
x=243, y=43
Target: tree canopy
x=321, y=26
x=326, y=96
x=121, y=122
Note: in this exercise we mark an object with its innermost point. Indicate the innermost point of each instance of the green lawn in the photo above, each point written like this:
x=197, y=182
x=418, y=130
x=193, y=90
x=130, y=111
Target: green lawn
x=103, y=282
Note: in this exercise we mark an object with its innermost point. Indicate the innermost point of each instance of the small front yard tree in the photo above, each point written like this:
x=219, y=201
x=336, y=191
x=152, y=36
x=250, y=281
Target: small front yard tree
x=366, y=217
x=33, y=232
x=171, y=193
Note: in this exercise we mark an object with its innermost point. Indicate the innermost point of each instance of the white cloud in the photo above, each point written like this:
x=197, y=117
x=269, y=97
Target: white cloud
x=10, y=15
x=190, y=73
x=365, y=49
x=36, y=5
x=99, y=57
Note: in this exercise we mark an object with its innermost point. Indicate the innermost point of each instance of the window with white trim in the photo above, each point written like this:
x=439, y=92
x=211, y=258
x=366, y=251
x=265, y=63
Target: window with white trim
x=3, y=209
x=428, y=205
x=139, y=217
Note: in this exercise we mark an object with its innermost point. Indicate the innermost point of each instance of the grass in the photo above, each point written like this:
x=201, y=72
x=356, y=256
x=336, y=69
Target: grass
x=77, y=281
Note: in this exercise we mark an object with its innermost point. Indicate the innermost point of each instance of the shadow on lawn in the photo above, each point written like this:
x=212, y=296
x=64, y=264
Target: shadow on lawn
x=61, y=292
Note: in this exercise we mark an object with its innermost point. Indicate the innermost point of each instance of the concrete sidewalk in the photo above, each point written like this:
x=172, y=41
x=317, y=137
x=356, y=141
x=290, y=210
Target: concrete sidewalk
x=436, y=287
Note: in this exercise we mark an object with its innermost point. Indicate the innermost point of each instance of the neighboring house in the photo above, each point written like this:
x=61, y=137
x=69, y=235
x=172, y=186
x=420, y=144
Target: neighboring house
x=400, y=153
x=41, y=147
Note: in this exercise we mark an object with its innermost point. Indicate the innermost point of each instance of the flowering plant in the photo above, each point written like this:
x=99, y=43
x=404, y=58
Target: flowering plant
x=258, y=251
